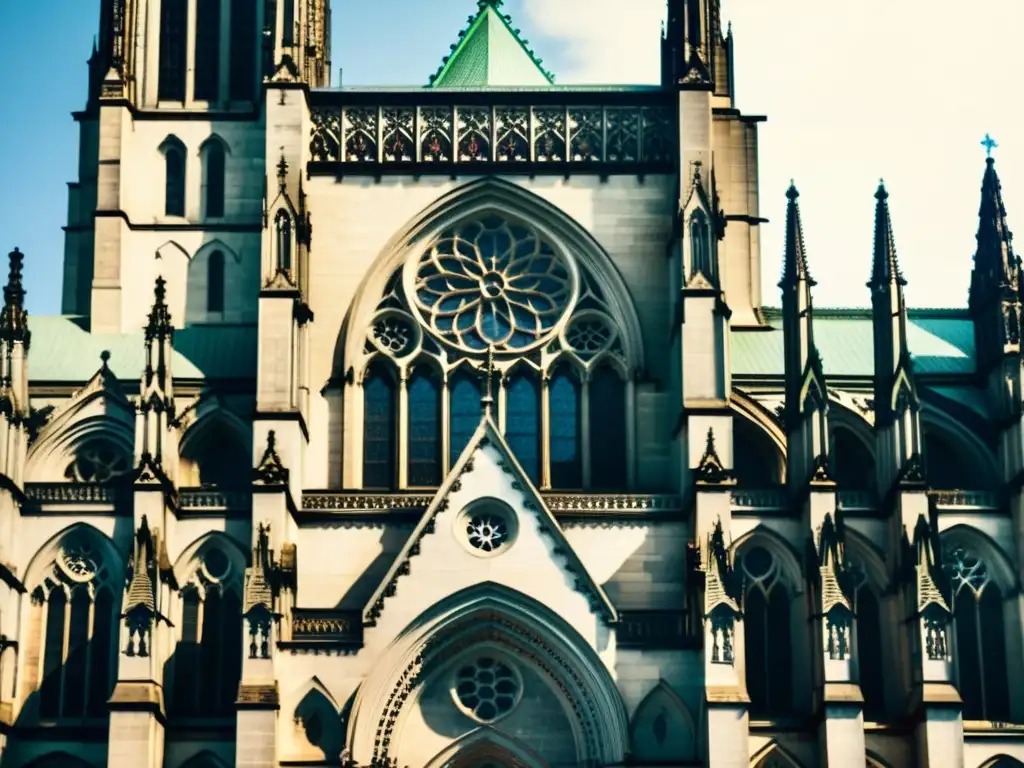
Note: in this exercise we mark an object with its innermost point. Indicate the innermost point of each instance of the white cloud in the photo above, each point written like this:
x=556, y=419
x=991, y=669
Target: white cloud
x=604, y=43
x=903, y=90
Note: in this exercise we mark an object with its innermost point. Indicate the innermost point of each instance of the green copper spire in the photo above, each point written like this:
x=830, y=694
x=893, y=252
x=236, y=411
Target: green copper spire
x=490, y=52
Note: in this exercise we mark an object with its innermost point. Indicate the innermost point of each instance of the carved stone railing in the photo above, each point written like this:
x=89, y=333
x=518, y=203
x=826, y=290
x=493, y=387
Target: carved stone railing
x=520, y=132
x=656, y=630
x=857, y=501
x=214, y=499
x=70, y=493
x=325, y=628
x=757, y=499
x=362, y=501
x=966, y=500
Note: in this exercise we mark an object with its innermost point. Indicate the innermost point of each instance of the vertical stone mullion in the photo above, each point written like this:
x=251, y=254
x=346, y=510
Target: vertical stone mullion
x=584, y=431
x=545, y=431
x=403, y=429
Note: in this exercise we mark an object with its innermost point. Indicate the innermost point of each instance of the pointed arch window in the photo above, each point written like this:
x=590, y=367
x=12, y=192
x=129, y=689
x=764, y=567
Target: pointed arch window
x=522, y=422
x=243, y=50
x=76, y=608
x=207, y=64
x=173, y=29
x=870, y=648
x=283, y=231
x=463, y=413
x=380, y=427
x=700, y=246
x=215, y=282
x=980, y=635
x=214, y=172
x=565, y=428
x=288, y=26
x=424, y=429
x=174, y=180
x=766, y=617
x=607, y=422
x=207, y=661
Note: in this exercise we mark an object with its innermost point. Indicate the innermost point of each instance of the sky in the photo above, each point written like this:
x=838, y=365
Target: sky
x=853, y=92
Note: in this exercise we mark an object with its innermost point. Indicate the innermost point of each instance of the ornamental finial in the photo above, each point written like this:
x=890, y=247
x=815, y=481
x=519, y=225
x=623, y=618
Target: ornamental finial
x=487, y=401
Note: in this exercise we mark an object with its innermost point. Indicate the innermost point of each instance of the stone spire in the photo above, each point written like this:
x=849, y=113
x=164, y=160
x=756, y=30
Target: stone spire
x=806, y=413
x=995, y=295
x=691, y=40
x=156, y=435
x=14, y=341
x=897, y=424
x=13, y=317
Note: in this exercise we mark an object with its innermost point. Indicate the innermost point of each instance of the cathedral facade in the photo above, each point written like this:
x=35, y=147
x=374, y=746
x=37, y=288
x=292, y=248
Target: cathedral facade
x=447, y=427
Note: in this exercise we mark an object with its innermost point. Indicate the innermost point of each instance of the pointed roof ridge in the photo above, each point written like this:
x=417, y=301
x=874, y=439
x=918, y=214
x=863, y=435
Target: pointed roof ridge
x=885, y=267
x=994, y=252
x=487, y=433
x=468, y=65
x=794, y=261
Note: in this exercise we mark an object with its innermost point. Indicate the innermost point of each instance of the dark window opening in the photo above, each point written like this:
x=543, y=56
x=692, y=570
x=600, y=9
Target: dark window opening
x=173, y=26
x=424, y=430
x=215, y=282
x=243, y=50
x=380, y=425
x=564, y=430
x=215, y=171
x=174, y=190
x=607, y=406
x=207, y=66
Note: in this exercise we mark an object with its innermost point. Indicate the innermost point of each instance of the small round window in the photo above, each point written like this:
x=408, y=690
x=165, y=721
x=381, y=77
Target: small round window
x=487, y=528
x=487, y=688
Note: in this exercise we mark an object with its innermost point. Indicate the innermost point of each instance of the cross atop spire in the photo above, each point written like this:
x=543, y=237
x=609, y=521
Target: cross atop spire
x=989, y=144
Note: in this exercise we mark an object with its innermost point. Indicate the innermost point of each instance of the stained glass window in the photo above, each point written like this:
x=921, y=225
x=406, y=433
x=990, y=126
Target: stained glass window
x=564, y=411
x=215, y=282
x=243, y=50
x=766, y=616
x=173, y=23
x=215, y=172
x=463, y=413
x=607, y=406
x=174, y=190
x=379, y=428
x=522, y=422
x=424, y=430
x=207, y=66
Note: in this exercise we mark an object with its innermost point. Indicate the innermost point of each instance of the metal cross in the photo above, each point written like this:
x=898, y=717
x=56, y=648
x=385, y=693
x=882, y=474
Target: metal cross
x=989, y=144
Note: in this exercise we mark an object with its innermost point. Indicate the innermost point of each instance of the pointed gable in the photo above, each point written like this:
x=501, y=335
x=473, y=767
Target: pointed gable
x=490, y=53
x=514, y=540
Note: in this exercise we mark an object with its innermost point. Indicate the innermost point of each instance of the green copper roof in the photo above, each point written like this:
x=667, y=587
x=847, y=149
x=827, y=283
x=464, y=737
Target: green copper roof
x=941, y=342
x=63, y=351
x=490, y=53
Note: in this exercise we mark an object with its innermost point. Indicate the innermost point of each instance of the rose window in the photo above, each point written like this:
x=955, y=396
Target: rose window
x=588, y=336
x=491, y=283
x=487, y=688
x=487, y=532
x=98, y=462
x=78, y=561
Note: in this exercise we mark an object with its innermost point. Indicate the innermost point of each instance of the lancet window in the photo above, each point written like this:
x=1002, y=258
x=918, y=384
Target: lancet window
x=768, y=641
x=242, y=80
x=980, y=635
x=283, y=233
x=494, y=289
x=870, y=648
x=174, y=180
x=207, y=55
x=73, y=613
x=214, y=172
x=207, y=661
x=173, y=26
x=215, y=282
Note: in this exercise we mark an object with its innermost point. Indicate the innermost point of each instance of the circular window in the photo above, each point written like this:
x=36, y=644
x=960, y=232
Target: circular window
x=487, y=688
x=78, y=561
x=394, y=333
x=487, y=528
x=98, y=462
x=216, y=564
x=491, y=283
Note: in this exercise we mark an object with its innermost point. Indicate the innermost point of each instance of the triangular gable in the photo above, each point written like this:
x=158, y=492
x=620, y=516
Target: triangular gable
x=487, y=434
x=491, y=53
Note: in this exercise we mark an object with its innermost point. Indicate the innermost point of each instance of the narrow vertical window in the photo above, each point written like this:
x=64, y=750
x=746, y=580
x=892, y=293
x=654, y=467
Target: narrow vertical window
x=522, y=423
x=694, y=31
x=243, y=50
x=186, y=657
x=288, y=26
x=173, y=26
x=424, y=430
x=700, y=247
x=869, y=654
x=564, y=430
x=74, y=667
x=607, y=417
x=214, y=170
x=379, y=426
x=768, y=650
x=53, y=655
x=283, y=228
x=207, y=66
x=463, y=414
x=210, y=653
x=215, y=282
x=100, y=686
x=174, y=181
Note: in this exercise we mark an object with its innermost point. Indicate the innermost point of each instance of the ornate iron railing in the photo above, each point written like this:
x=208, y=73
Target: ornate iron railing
x=433, y=133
